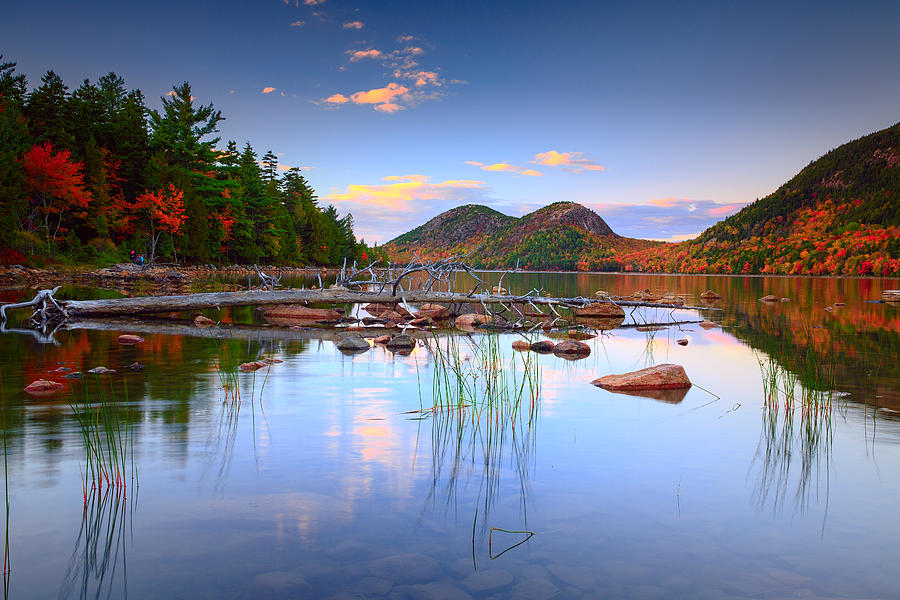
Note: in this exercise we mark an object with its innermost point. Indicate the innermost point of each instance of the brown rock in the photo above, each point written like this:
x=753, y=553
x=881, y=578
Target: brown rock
x=201, y=321
x=542, y=346
x=401, y=342
x=422, y=322
x=390, y=315
x=682, y=342
x=499, y=291
x=710, y=295
x=433, y=311
x=579, y=335
x=284, y=314
x=43, y=387
x=253, y=365
x=382, y=339
x=572, y=348
x=769, y=298
x=129, y=339
x=785, y=299
x=839, y=304
x=521, y=345
x=708, y=325
x=471, y=320
x=356, y=328
x=600, y=309
x=659, y=377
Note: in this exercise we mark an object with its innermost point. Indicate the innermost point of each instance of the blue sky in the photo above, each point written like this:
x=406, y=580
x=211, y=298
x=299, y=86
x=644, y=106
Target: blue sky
x=662, y=117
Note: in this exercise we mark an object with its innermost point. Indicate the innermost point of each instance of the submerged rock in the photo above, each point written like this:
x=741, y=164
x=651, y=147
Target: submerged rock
x=43, y=387
x=710, y=295
x=579, y=335
x=354, y=343
x=521, y=345
x=659, y=377
x=101, y=371
x=406, y=568
x=707, y=325
x=129, y=339
x=252, y=365
x=572, y=348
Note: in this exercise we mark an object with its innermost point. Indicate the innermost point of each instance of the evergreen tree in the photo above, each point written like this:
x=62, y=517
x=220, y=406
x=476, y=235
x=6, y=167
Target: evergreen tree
x=12, y=84
x=47, y=112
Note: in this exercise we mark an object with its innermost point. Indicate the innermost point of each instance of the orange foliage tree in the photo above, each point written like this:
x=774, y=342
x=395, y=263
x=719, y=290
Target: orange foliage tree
x=56, y=191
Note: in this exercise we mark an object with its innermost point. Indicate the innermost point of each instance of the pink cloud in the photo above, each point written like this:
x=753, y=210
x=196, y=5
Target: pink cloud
x=531, y=173
x=353, y=25
x=414, y=50
x=268, y=90
x=425, y=78
x=403, y=192
x=337, y=99
x=572, y=161
x=298, y=23
x=356, y=55
x=313, y=2
x=725, y=209
x=503, y=167
x=388, y=107
x=403, y=39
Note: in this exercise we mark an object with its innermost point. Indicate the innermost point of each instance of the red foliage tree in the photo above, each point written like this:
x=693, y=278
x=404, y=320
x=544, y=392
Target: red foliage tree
x=56, y=189
x=162, y=211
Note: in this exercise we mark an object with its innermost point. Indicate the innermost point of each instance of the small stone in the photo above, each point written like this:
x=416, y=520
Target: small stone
x=472, y=320
x=201, y=321
x=135, y=366
x=574, y=334
x=543, y=346
x=829, y=309
x=272, y=361
x=356, y=328
x=708, y=325
x=710, y=295
x=682, y=342
x=769, y=298
x=839, y=304
x=354, y=343
x=129, y=339
x=252, y=365
x=785, y=299
x=600, y=309
x=422, y=322
x=521, y=345
x=382, y=339
x=101, y=371
x=74, y=375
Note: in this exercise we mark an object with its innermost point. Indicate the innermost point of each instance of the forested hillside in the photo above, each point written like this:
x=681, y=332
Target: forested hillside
x=839, y=216
x=86, y=175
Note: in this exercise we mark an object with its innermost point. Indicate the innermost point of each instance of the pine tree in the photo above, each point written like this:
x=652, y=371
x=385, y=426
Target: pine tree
x=47, y=112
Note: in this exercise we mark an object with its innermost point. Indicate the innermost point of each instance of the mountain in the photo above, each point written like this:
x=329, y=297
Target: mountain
x=840, y=215
x=563, y=235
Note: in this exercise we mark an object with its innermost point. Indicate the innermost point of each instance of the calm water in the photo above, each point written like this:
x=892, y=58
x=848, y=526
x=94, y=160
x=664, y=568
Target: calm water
x=326, y=486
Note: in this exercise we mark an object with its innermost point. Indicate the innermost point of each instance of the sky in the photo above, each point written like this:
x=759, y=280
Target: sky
x=662, y=117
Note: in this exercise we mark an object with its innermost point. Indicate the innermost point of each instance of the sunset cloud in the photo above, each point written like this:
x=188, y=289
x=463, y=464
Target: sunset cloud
x=357, y=55
x=388, y=107
x=571, y=161
x=667, y=219
x=353, y=25
x=268, y=90
x=413, y=50
x=403, y=202
x=298, y=23
x=505, y=167
x=313, y=2
x=379, y=95
x=337, y=99
x=423, y=78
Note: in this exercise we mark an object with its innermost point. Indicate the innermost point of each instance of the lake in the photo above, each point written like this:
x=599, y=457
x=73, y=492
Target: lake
x=774, y=476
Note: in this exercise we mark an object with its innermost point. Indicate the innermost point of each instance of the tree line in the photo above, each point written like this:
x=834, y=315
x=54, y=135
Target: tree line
x=88, y=175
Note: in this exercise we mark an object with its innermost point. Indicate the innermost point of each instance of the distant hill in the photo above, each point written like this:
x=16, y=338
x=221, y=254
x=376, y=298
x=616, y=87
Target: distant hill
x=563, y=235
x=840, y=215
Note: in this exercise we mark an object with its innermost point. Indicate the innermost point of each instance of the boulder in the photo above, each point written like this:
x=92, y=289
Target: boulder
x=390, y=315
x=769, y=298
x=401, y=342
x=521, y=345
x=682, y=342
x=129, y=340
x=372, y=321
x=354, y=343
x=600, y=309
x=422, y=322
x=707, y=324
x=43, y=387
x=433, y=311
x=382, y=339
x=709, y=295
x=571, y=348
x=201, y=321
x=658, y=377
x=472, y=320
x=288, y=314
x=543, y=346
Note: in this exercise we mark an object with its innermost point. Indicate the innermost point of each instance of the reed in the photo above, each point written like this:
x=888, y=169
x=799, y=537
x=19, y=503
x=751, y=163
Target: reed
x=108, y=439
